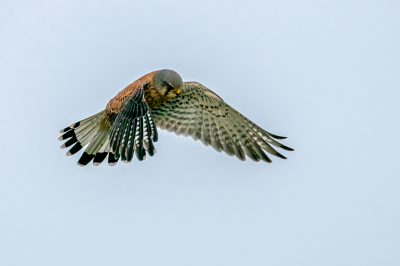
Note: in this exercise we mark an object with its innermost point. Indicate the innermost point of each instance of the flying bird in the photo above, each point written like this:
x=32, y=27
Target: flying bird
x=128, y=125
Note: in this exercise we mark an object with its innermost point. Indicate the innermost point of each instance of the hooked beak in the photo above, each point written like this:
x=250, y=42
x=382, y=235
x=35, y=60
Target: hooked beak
x=177, y=91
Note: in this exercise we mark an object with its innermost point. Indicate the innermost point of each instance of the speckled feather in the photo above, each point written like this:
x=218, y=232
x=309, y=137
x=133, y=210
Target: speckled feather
x=128, y=125
x=200, y=113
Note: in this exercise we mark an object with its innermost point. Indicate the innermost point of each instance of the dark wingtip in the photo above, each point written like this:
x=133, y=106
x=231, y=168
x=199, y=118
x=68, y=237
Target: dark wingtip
x=85, y=159
x=155, y=137
x=139, y=152
x=65, y=129
x=286, y=148
x=141, y=155
x=74, y=149
x=111, y=160
x=99, y=158
x=241, y=158
x=281, y=156
x=151, y=150
x=69, y=142
x=75, y=125
x=265, y=158
x=277, y=137
x=68, y=134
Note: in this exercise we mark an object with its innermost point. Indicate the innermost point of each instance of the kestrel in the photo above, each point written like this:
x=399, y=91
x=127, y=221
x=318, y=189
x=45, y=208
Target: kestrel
x=160, y=99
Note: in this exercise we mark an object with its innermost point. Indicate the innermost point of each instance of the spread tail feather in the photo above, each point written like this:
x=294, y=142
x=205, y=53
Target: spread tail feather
x=89, y=132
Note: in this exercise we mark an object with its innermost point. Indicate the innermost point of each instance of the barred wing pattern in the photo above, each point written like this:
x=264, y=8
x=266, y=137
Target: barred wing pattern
x=121, y=134
x=133, y=130
x=200, y=113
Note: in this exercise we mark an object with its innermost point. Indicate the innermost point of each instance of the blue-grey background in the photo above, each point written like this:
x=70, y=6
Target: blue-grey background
x=323, y=73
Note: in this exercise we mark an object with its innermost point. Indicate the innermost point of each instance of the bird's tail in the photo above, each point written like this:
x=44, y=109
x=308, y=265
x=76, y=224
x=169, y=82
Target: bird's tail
x=94, y=132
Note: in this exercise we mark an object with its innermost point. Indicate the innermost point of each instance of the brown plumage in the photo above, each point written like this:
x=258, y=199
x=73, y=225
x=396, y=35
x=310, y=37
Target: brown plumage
x=152, y=96
x=128, y=125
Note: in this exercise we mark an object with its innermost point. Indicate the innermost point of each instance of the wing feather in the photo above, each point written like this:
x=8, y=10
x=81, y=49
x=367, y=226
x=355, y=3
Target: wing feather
x=133, y=131
x=200, y=113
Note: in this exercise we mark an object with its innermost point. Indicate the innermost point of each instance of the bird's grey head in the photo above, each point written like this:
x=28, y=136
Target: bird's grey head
x=168, y=82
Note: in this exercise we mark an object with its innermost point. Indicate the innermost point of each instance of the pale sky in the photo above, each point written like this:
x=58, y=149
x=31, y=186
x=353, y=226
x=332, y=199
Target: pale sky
x=323, y=73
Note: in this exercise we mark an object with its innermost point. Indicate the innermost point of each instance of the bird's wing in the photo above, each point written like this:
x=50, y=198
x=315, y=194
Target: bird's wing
x=125, y=127
x=200, y=113
x=133, y=128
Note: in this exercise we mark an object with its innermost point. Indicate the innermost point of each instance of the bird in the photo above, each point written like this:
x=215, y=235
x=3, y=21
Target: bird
x=128, y=126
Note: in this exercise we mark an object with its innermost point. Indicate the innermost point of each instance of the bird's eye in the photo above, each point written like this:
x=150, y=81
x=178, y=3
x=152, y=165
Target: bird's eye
x=169, y=88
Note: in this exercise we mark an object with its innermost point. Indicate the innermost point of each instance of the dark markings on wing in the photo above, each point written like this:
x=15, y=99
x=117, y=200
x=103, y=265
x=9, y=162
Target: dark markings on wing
x=200, y=113
x=134, y=130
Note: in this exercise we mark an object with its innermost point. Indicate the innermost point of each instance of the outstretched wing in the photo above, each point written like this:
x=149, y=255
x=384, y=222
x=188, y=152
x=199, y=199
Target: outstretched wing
x=133, y=129
x=200, y=113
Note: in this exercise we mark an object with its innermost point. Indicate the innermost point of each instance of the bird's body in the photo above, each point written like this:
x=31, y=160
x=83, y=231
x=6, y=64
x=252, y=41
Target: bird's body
x=128, y=125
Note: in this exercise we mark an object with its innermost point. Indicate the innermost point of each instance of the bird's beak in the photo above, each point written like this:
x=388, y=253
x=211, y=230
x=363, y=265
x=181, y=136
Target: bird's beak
x=177, y=91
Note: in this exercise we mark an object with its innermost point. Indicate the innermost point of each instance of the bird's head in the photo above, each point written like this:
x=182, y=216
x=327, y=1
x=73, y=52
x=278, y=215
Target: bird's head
x=168, y=83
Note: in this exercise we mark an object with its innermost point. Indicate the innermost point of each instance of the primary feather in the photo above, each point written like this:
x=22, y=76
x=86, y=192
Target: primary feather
x=200, y=113
x=128, y=125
